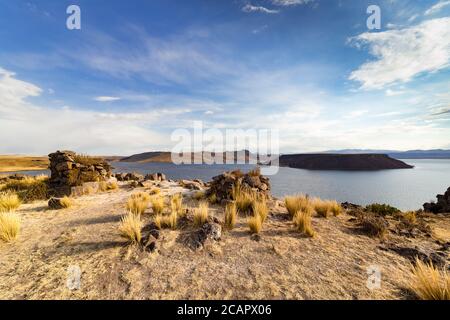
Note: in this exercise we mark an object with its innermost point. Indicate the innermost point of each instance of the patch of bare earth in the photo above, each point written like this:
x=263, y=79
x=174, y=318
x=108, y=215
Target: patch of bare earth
x=282, y=265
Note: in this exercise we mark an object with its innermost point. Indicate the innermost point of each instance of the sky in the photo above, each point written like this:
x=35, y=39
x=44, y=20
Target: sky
x=138, y=70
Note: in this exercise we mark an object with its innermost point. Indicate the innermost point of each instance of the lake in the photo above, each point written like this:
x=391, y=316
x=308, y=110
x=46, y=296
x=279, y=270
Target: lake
x=406, y=189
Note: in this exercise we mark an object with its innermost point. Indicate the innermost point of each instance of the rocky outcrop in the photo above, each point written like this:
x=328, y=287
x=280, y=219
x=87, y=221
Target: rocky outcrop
x=441, y=206
x=70, y=170
x=222, y=185
x=134, y=176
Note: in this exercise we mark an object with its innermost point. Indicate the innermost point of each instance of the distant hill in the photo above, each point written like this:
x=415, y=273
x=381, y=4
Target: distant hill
x=165, y=157
x=350, y=162
x=411, y=154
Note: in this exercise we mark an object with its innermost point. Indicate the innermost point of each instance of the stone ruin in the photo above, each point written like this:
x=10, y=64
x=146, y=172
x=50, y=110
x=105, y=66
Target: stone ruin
x=222, y=185
x=69, y=171
x=441, y=206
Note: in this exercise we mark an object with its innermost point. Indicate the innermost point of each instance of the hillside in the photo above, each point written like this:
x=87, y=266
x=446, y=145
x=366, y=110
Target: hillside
x=165, y=157
x=410, y=154
x=21, y=163
x=356, y=162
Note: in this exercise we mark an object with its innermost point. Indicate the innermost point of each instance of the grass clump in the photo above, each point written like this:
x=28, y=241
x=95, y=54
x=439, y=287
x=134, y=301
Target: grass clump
x=212, y=198
x=302, y=222
x=260, y=208
x=88, y=190
x=138, y=203
x=66, y=202
x=169, y=221
x=29, y=189
x=176, y=203
x=255, y=223
x=255, y=172
x=230, y=216
x=107, y=186
x=9, y=201
x=429, y=283
x=201, y=214
x=382, y=209
x=198, y=195
x=155, y=191
x=409, y=218
x=87, y=160
x=130, y=228
x=244, y=198
x=297, y=203
x=9, y=226
x=158, y=204
x=373, y=226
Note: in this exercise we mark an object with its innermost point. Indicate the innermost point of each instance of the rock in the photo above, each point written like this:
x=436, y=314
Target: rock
x=155, y=176
x=55, y=204
x=191, y=185
x=255, y=237
x=133, y=176
x=212, y=230
x=441, y=206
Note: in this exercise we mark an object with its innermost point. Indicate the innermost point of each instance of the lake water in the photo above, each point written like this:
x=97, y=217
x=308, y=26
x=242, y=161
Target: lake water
x=406, y=189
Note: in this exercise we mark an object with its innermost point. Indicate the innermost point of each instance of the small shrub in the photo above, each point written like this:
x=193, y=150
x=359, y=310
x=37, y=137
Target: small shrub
x=374, y=226
x=66, y=202
x=107, y=186
x=176, y=203
x=244, y=198
x=198, y=195
x=322, y=207
x=297, y=203
x=260, y=208
x=302, y=222
x=335, y=208
x=230, y=216
x=9, y=201
x=130, y=228
x=255, y=223
x=30, y=188
x=201, y=214
x=169, y=221
x=428, y=283
x=212, y=198
x=137, y=203
x=155, y=191
x=158, y=204
x=9, y=226
x=409, y=217
x=382, y=209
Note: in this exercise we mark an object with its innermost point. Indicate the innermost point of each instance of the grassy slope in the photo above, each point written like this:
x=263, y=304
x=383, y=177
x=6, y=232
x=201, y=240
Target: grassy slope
x=20, y=163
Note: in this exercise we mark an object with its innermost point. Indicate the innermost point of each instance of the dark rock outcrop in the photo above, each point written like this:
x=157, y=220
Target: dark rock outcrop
x=441, y=206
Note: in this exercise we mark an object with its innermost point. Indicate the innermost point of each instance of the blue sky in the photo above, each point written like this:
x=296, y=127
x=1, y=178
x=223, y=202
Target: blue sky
x=137, y=70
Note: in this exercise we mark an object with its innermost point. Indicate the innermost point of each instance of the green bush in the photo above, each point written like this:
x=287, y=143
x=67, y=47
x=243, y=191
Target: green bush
x=382, y=209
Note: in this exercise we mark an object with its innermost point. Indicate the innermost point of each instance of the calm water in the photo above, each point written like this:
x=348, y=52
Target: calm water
x=405, y=189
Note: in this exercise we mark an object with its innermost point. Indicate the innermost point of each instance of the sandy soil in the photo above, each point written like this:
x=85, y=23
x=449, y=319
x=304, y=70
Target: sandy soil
x=282, y=265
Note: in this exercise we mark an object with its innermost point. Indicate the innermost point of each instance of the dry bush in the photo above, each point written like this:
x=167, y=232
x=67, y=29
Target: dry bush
x=155, y=191
x=259, y=207
x=335, y=208
x=230, y=216
x=198, y=195
x=255, y=223
x=87, y=160
x=212, y=198
x=409, y=217
x=374, y=226
x=9, y=226
x=429, y=283
x=297, y=203
x=322, y=207
x=138, y=203
x=130, y=227
x=244, y=198
x=302, y=222
x=30, y=188
x=169, y=221
x=87, y=190
x=9, y=201
x=107, y=186
x=176, y=203
x=201, y=214
x=66, y=202
x=158, y=204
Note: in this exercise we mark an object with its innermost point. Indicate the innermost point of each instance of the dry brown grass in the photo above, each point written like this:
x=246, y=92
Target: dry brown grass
x=198, y=195
x=230, y=218
x=9, y=226
x=107, y=186
x=212, y=198
x=335, y=208
x=244, y=198
x=158, y=204
x=155, y=191
x=30, y=188
x=88, y=190
x=169, y=221
x=302, y=222
x=429, y=283
x=201, y=213
x=176, y=203
x=409, y=217
x=138, y=203
x=260, y=208
x=66, y=202
x=255, y=223
x=9, y=201
x=87, y=160
x=374, y=226
x=322, y=207
x=255, y=172
x=130, y=228
x=297, y=203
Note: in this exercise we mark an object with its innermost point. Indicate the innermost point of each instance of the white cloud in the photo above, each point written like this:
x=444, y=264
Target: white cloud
x=437, y=7
x=106, y=99
x=251, y=8
x=403, y=54
x=286, y=3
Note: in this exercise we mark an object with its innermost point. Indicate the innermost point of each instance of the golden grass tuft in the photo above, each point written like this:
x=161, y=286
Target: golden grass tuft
x=322, y=207
x=198, y=195
x=201, y=213
x=30, y=188
x=409, y=217
x=176, y=203
x=213, y=198
x=87, y=190
x=66, y=202
x=169, y=221
x=259, y=207
x=9, y=226
x=107, y=186
x=244, y=198
x=130, y=228
x=155, y=191
x=429, y=283
x=255, y=223
x=335, y=207
x=230, y=216
x=158, y=204
x=9, y=201
x=297, y=203
x=137, y=203
x=302, y=222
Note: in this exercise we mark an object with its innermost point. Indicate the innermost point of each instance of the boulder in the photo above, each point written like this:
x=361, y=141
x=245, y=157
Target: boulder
x=442, y=205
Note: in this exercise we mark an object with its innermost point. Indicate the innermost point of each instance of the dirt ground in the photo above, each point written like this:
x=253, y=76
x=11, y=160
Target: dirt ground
x=282, y=265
